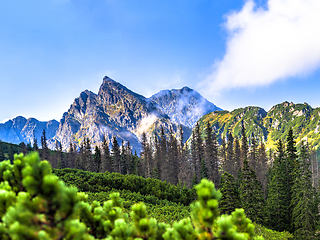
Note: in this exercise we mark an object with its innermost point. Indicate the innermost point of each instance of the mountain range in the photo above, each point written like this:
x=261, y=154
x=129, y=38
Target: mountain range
x=114, y=111
x=269, y=126
x=117, y=111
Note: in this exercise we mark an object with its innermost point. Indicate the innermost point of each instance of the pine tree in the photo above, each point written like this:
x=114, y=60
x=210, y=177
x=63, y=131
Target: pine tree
x=237, y=157
x=229, y=164
x=89, y=164
x=129, y=160
x=163, y=156
x=304, y=216
x=291, y=164
x=251, y=195
x=106, y=163
x=230, y=199
x=173, y=164
x=244, y=143
x=211, y=155
x=72, y=156
x=123, y=159
x=35, y=142
x=146, y=155
x=277, y=204
x=1, y=152
x=97, y=158
x=262, y=166
x=116, y=155
x=253, y=153
x=44, y=146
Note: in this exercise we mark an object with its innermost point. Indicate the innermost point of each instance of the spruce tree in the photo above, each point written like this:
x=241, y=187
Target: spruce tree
x=237, y=157
x=1, y=152
x=72, y=156
x=303, y=202
x=211, y=155
x=262, y=166
x=116, y=155
x=97, y=158
x=106, y=162
x=251, y=195
x=277, y=205
x=244, y=143
x=44, y=146
x=163, y=156
x=291, y=164
x=35, y=142
x=230, y=199
x=173, y=164
x=229, y=164
x=253, y=153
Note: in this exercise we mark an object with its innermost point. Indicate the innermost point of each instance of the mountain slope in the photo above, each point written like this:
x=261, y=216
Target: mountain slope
x=269, y=126
x=21, y=129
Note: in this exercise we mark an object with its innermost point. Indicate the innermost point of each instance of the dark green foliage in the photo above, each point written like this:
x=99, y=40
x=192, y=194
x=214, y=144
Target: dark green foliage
x=211, y=155
x=251, y=195
x=97, y=158
x=277, y=204
x=304, y=201
x=96, y=182
x=115, y=155
x=230, y=199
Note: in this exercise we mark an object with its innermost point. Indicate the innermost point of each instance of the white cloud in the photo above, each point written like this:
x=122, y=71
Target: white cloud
x=146, y=123
x=266, y=45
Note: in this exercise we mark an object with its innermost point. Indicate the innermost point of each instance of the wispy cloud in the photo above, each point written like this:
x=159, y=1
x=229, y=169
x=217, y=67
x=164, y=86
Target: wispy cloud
x=267, y=45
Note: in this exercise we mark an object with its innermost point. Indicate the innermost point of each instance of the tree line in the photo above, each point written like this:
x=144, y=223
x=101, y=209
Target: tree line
x=278, y=190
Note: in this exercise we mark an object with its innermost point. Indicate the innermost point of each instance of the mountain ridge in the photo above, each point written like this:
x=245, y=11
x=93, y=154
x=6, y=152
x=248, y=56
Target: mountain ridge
x=115, y=111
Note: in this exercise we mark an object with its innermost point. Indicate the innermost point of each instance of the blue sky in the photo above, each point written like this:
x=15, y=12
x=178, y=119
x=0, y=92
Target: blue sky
x=234, y=52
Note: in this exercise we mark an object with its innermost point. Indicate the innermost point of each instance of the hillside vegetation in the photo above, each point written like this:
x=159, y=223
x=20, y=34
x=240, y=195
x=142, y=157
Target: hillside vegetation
x=268, y=126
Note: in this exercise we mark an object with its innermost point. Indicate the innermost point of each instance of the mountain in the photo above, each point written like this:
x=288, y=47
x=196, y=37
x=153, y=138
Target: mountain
x=114, y=111
x=21, y=129
x=184, y=106
x=268, y=126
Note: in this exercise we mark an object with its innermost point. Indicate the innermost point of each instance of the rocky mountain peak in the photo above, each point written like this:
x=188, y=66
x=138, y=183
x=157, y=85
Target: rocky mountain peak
x=184, y=106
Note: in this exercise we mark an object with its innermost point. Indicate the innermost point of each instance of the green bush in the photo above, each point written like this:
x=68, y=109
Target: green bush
x=35, y=204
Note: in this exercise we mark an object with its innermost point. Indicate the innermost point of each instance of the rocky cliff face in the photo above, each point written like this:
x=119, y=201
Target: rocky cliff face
x=115, y=110
x=21, y=129
x=184, y=106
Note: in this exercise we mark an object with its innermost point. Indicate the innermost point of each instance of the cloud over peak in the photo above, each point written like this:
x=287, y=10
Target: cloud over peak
x=266, y=45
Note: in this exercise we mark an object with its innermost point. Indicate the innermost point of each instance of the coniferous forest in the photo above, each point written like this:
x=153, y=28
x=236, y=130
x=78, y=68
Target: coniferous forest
x=277, y=189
